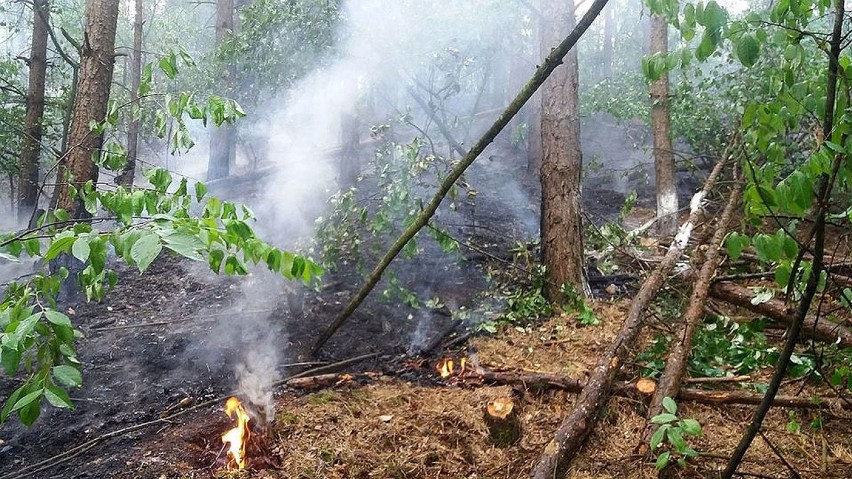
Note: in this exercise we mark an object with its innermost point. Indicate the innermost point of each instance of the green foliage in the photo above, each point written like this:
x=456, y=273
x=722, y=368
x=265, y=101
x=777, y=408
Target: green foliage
x=575, y=302
x=40, y=340
x=670, y=433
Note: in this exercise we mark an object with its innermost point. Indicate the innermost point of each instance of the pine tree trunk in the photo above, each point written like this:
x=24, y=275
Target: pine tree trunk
x=96, y=67
x=606, y=50
x=561, y=215
x=661, y=125
x=28, y=179
x=127, y=174
x=223, y=138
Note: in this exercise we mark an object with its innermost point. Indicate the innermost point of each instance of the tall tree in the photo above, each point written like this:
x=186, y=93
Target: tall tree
x=606, y=49
x=223, y=138
x=561, y=209
x=28, y=180
x=129, y=170
x=661, y=125
x=97, y=56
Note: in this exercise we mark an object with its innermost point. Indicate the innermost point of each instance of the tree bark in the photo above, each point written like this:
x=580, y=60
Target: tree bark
x=573, y=431
x=28, y=178
x=223, y=138
x=670, y=381
x=776, y=310
x=96, y=65
x=129, y=170
x=661, y=125
x=561, y=209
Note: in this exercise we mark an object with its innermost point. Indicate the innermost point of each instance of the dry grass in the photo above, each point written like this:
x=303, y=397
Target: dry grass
x=393, y=429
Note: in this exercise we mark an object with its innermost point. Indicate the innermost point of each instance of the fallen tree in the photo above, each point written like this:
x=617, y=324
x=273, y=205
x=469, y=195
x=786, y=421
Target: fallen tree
x=777, y=310
x=543, y=381
x=672, y=376
x=575, y=428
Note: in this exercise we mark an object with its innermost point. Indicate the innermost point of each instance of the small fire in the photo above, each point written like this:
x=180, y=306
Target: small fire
x=237, y=438
x=447, y=367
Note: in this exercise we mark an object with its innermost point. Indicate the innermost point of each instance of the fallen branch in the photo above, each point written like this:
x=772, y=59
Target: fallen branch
x=670, y=380
x=542, y=382
x=775, y=309
x=541, y=74
x=573, y=431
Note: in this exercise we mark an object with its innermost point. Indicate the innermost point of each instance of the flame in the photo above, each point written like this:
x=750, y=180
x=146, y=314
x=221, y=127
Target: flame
x=238, y=436
x=445, y=367
x=463, y=364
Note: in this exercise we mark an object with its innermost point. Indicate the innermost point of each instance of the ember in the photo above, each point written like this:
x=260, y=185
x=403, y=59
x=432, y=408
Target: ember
x=239, y=435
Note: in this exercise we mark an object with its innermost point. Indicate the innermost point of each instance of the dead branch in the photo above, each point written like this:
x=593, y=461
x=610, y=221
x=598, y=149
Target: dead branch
x=670, y=380
x=544, y=381
x=775, y=309
x=541, y=74
x=573, y=431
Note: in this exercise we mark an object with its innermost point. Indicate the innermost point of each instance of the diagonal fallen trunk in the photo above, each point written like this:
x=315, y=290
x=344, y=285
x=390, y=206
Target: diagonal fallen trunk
x=541, y=381
x=670, y=381
x=573, y=431
x=775, y=309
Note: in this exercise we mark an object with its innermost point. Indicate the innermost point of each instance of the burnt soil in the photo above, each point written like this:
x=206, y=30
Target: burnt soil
x=178, y=332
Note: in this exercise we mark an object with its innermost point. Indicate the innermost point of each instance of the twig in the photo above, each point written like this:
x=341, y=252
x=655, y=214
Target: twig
x=793, y=473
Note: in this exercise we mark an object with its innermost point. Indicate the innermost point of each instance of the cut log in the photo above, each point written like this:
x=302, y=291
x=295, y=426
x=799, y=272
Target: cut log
x=576, y=426
x=775, y=309
x=543, y=382
x=501, y=418
x=675, y=370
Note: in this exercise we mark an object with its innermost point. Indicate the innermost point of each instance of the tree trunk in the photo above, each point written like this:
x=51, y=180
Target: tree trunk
x=96, y=66
x=223, y=138
x=606, y=49
x=501, y=417
x=350, y=165
x=661, y=125
x=28, y=179
x=129, y=170
x=561, y=212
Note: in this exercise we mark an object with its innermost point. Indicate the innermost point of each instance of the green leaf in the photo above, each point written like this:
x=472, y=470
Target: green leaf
x=748, y=50
x=29, y=413
x=58, y=397
x=663, y=460
x=29, y=398
x=168, y=67
x=10, y=359
x=200, y=191
x=659, y=434
x=80, y=249
x=60, y=244
x=664, y=418
x=13, y=398
x=185, y=245
x=145, y=250
x=57, y=318
x=676, y=439
x=669, y=405
x=68, y=375
x=735, y=243
x=691, y=427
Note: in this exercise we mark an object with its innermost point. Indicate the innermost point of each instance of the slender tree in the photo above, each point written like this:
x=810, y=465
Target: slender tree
x=561, y=209
x=607, y=47
x=223, y=138
x=129, y=170
x=661, y=125
x=97, y=57
x=28, y=180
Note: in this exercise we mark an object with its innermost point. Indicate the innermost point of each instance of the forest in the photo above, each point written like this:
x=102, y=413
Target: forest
x=425, y=239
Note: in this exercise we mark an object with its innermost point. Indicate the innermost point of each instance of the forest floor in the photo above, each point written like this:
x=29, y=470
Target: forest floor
x=175, y=335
